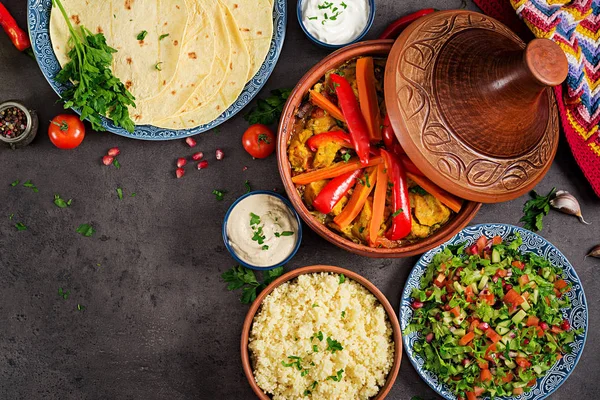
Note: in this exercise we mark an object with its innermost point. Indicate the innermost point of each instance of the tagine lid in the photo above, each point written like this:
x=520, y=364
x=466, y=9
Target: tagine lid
x=473, y=106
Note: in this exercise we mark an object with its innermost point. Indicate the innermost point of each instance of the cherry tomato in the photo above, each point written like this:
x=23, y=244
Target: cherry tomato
x=66, y=131
x=259, y=141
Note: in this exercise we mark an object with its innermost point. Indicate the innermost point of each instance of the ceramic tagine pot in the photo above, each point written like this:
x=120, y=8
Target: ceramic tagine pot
x=472, y=105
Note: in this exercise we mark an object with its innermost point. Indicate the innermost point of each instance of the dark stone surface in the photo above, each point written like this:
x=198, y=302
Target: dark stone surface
x=158, y=322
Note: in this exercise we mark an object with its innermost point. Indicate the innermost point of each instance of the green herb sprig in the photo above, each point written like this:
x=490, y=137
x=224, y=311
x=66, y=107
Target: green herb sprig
x=535, y=209
x=61, y=203
x=268, y=111
x=85, y=230
x=94, y=90
x=243, y=278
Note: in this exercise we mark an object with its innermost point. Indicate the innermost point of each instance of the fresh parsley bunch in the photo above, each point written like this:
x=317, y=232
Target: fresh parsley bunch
x=269, y=110
x=243, y=278
x=95, y=90
x=535, y=209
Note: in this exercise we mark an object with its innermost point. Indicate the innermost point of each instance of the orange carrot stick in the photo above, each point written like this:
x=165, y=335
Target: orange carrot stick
x=334, y=170
x=367, y=95
x=451, y=201
x=378, y=204
x=361, y=191
x=321, y=101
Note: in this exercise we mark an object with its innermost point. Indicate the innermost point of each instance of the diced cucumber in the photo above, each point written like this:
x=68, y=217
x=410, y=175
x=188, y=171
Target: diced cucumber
x=458, y=287
x=536, y=295
x=495, y=256
x=460, y=332
x=502, y=330
x=506, y=339
x=525, y=305
x=514, y=344
x=519, y=384
x=518, y=317
x=474, y=288
x=510, y=363
x=484, y=280
x=505, y=323
x=537, y=369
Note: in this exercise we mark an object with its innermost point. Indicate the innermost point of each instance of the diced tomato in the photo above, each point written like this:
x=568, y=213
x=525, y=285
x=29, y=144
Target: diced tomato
x=483, y=364
x=540, y=331
x=522, y=362
x=518, y=264
x=531, y=383
x=443, y=267
x=449, y=288
x=547, y=299
x=440, y=280
x=559, y=356
x=466, y=339
x=471, y=396
x=497, y=240
x=481, y=243
x=473, y=325
x=502, y=273
x=560, y=284
x=489, y=352
x=512, y=297
x=523, y=280
x=472, y=249
x=525, y=295
x=478, y=390
x=508, y=377
x=455, y=311
x=485, y=375
x=557, y=293
x=532, y=321
x=488, y=297
x=469, y=294
x=517, y=391
x=492, y=335
x=556, y=329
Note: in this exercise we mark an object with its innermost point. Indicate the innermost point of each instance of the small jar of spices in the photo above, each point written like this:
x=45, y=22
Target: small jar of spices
x=18, y=125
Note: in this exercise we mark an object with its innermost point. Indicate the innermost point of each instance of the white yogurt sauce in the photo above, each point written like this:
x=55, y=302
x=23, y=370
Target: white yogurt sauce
x=335, y=21
x=262, y=231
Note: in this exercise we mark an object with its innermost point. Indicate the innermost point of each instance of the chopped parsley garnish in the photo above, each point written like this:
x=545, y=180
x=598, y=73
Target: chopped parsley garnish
x=60, y=202
x=337, y=377
x=317, y=336
x=315, y=348
x=64, y=293
x=14, y=183
x=248, y=187
x=219, y=194
x=304, y=372
x=117, y=164
x=243, y=278
x=312, y=18
x=308, y=391
x=315, y=305
x=259, y=235
x=344, y=4
x=398, y=211
x=142, y=35
x=295, y=362
x=80, y=307
x=85, y=230
x=161, y=37
x=418, y=190
x=346, y=157
x=10, y=217
x=254, y=219
x=333, y=345
x=265, y=247
x=29, y=184
x=120, y=193
x=343, y=313
x=342, y=278
x=367, y=180
x=361, y=229
x=284, y=233
x=157, y=66
x=20, y=226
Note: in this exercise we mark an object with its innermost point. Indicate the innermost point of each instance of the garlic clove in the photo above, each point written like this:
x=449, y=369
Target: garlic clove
x=565, y=202
x=594, y=252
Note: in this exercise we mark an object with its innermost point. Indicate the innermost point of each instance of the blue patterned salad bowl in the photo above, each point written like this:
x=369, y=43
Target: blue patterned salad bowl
x=532, y=243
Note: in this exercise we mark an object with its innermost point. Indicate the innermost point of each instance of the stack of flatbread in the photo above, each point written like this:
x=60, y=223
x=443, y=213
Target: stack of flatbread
x=185, y=61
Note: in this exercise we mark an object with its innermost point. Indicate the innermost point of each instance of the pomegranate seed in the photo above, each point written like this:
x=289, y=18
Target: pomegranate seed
x=526, y=341
x=495, y=278
x=507, y=287
x=466, y=362
x=197, y=156
x=484, y=326
x=438, y=317
x=114, y=152
x=219, y=154
x=181, y=162
x=429, y=337
x=190, y=142
x=444, y=298
x=544, y=326
x=416, y=304
x=180, y=172
x=244, y=169
x=565, y=326
x=107, y=160
x=202, y=164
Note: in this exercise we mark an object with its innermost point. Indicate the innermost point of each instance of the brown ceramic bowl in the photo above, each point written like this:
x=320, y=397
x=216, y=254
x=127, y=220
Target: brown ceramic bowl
x=372, y=48
x=247, y=364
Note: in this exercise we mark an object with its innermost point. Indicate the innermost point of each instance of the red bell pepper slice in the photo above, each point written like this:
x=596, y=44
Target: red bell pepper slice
x=353, y=116
x=389, y=137
x=340, y=137
x=401, y=219
x=19, y=38
x=333, y=192
x=396, y=27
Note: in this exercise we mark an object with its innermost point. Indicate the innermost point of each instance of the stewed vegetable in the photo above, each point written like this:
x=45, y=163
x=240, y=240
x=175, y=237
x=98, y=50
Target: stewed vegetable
x=490, y=317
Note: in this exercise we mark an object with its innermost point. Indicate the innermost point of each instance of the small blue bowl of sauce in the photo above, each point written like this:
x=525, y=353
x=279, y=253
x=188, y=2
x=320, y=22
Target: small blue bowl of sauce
x=335, y=23
x=262, y=230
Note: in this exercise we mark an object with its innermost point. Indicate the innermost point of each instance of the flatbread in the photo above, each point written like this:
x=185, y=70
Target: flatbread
x=198, y=112
x=255, y=22
x=121, y=22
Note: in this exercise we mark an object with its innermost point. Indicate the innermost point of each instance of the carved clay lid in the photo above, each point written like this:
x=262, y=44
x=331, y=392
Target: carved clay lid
x=472, y=105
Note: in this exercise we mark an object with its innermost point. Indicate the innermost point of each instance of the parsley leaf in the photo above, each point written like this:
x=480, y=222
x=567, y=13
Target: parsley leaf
x=20, y=226
x=346, y=157
x=117, y=164
x=15, y=183
x=342, y=278
x=248, y=187
x=120, y=193
x=85, y=230
x=161, y=37
x=284, y=233
x=96, y=92
x=29, y=184
x=337, y=377
x=61, y=203
x=334, y=345
x=535, y=209
x=142, y=35
x=219, y=194
x=243, y=278
x=64, y=294
x=157, y=66
x=254, y=219
x=268, y=111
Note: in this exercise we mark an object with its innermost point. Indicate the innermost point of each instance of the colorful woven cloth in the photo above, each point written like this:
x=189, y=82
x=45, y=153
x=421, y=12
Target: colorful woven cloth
x=575, y=27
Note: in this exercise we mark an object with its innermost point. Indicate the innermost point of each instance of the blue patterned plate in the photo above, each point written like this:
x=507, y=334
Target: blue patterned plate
x=38, y=20
x=532, y=243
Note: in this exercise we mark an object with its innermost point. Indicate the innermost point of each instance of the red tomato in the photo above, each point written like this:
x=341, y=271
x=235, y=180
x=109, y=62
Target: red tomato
x=259, y=141
x=66, y=131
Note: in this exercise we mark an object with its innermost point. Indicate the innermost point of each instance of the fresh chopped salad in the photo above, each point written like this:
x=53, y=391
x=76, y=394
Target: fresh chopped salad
x=491, y=318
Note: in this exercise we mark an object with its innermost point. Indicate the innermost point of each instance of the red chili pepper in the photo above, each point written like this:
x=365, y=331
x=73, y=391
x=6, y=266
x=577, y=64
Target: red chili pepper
x=389, y=137
x=16, y=34
x=338, y=136
x=395, y=28
x=353, y=116
x=401, y=219
x=333, y=192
